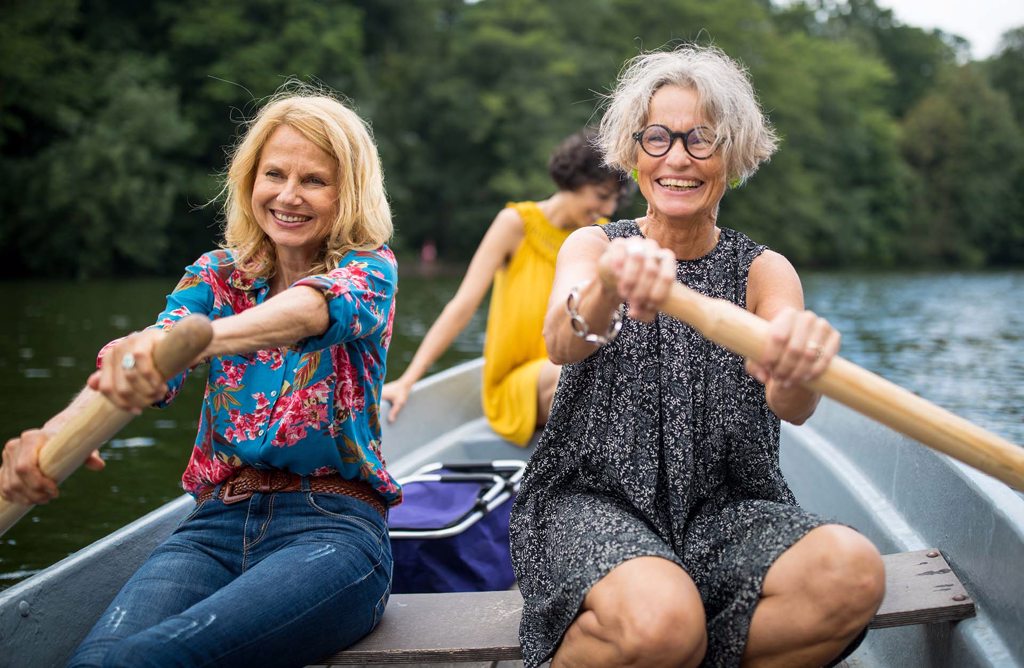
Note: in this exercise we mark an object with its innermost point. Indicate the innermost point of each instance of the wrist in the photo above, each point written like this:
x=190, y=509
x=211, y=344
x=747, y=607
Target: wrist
x=598, y=295
x=611, y=310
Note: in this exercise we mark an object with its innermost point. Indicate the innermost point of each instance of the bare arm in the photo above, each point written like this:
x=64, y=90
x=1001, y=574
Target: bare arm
x=499, y=243
x=577, y=265
x=21, y=480
x=801, y=343
x=606, y=273
x=286, y=318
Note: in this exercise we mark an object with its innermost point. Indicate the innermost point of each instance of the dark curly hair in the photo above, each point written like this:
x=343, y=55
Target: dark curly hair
x=578, y=162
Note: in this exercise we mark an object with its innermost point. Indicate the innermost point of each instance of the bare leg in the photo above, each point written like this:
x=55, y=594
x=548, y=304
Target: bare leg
x=645, y=612
x=547, y=381
x=816, y=598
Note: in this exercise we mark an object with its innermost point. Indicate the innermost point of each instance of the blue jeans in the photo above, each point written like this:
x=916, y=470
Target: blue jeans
x=280, y=579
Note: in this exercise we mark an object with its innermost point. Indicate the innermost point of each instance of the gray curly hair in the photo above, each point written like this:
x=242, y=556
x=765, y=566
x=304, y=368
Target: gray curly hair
x=725, y=95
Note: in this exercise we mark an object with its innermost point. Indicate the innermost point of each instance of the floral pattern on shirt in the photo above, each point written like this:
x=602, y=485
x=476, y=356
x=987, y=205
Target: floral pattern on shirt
x=311, y=409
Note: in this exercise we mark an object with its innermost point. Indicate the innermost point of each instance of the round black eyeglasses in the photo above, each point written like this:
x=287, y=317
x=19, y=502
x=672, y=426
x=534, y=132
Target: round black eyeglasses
x=657, y=140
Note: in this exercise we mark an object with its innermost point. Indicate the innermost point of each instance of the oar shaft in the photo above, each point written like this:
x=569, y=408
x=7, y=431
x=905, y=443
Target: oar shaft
x=98, y=420
x=744, y=333
x=923, y=421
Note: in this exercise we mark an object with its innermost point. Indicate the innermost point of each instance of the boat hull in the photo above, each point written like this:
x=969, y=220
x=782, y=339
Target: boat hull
x=895, y=491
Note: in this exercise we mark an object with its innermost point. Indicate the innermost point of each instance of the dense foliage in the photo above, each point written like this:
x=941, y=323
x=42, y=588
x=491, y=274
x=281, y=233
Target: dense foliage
x=897, y=149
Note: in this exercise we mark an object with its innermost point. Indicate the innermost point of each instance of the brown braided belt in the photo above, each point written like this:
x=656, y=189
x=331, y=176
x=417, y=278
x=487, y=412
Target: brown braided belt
x=249, y=481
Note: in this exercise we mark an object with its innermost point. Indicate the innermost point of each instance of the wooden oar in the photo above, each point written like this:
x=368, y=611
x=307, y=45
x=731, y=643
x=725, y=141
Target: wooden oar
x=99, y=420
x=744, y=333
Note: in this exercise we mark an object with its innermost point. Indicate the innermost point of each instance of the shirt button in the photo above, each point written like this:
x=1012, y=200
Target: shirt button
x=261, y=432
x=273, y=393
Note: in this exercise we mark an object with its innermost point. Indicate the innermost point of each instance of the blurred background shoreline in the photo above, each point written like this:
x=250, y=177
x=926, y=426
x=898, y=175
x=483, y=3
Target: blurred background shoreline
x=898, y=148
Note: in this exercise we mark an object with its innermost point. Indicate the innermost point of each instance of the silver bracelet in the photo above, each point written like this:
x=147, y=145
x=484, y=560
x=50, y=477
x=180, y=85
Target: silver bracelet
x=579, y=324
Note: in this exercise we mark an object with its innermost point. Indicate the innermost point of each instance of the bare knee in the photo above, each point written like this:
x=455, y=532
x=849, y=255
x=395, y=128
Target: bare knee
x=652, y=632
x=674, y=633
x=848, y=577
x=646, y=611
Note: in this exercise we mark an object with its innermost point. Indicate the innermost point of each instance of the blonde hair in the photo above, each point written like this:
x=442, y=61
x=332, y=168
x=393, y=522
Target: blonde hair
x=364, y=216
x=725, y=96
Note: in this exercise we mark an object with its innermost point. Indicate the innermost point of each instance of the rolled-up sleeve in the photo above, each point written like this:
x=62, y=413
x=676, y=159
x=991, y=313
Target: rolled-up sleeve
x=192, y=294
x=360, y=294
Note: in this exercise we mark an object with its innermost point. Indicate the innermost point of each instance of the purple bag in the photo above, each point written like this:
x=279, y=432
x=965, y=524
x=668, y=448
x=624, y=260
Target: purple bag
x=450, y=533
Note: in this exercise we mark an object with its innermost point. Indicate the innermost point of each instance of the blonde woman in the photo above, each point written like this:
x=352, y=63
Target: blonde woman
x=653, y=526
x=285, y=557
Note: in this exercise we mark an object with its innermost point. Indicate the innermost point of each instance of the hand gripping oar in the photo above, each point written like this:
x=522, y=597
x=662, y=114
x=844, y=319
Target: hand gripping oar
x=99, y=419
x=744, y=333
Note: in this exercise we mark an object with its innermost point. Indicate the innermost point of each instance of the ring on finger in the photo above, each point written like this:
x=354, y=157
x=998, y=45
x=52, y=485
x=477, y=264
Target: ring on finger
x=818, y=349
x=128, y=362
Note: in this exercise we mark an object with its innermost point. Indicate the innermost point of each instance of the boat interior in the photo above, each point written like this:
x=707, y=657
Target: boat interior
x=901, y=495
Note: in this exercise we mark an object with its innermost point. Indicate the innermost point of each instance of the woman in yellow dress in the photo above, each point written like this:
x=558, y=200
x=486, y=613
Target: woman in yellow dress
x=518, y=255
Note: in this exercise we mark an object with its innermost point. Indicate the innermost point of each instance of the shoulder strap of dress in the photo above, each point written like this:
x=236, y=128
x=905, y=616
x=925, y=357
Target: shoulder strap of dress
x=539, y=233
x=529, y=212
x=745, y=249
x=621, y=229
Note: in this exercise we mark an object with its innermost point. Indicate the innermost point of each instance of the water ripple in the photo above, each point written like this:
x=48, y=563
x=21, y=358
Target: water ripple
x=134, y=442
x=950, y=338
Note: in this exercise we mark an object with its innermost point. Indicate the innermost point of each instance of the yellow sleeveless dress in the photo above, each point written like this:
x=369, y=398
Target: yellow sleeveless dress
x=514, y=346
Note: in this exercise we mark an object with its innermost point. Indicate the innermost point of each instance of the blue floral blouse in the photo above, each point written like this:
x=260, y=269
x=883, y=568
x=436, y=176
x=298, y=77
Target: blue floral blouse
x=311, y=409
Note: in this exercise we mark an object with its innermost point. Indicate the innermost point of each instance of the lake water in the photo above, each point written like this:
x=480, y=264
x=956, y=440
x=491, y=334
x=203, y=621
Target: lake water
x=955, y=338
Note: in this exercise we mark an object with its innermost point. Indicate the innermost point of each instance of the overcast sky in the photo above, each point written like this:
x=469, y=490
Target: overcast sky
x=982, y=22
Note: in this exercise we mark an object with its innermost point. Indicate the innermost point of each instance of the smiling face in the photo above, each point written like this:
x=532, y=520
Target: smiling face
x=295, y=195
x=680, y=189
x=593, y=201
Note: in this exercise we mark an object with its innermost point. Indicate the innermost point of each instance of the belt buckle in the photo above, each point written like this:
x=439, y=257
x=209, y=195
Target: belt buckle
x=229, y=496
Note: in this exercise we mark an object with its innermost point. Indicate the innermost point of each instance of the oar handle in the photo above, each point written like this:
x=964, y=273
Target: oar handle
x=744, y=333
x=98, y=420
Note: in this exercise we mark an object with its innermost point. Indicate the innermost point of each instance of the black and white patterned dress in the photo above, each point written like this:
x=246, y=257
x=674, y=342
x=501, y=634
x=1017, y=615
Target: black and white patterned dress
x=658, y=444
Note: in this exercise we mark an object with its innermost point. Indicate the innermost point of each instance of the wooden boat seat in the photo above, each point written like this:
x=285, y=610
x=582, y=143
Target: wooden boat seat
x=921, y=588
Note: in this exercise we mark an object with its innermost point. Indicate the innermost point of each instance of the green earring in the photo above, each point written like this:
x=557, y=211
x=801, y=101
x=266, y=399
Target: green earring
x=635, y=173
x=735, y=182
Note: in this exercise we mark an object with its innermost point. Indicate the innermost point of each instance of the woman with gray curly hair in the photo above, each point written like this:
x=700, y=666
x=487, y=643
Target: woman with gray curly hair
x=654, y=526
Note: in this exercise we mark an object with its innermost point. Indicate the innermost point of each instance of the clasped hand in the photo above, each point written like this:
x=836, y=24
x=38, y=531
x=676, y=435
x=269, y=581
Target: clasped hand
x=800, y=347
x=800, y=344
x=128, y=376
x=640, y=272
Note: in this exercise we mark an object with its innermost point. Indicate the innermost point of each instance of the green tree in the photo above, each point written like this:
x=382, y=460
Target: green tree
x=1006, y=70
x=42, y=75
x=916, y=57
x=228, y=57
x=408, y=52
x=99, y=200
x=479, y=131
x=964, y=142
x=836, y=189
x=42, y=72
x=118, y=151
